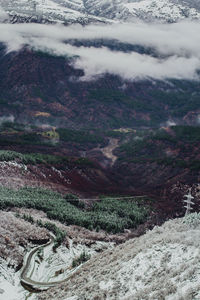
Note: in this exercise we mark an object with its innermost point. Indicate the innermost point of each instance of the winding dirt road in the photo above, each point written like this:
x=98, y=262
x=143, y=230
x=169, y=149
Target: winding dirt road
x=29, y=262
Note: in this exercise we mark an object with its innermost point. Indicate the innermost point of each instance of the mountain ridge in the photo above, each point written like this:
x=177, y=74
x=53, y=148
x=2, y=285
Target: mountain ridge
x=87, y=11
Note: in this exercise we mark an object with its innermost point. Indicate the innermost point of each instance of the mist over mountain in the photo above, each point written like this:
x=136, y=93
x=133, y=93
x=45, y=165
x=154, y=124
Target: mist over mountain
x=165, y=60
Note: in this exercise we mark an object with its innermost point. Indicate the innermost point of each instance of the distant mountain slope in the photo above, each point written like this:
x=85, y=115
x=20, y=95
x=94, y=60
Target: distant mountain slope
x=46, y=86
x=168, y=10
x=84, y=11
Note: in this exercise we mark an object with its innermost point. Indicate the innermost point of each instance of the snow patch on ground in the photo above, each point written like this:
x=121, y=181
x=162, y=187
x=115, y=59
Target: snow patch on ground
x=13, y=164
x=169, y=263
x=50, y=266
x=10, y=287
x=106, y=285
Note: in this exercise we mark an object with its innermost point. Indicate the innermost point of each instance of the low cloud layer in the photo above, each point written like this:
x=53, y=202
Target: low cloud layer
x=177, y=46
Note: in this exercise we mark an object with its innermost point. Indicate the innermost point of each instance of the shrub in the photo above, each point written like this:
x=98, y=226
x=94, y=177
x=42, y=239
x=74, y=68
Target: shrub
x=82, y=137
x=73, y=199
x=81, y=259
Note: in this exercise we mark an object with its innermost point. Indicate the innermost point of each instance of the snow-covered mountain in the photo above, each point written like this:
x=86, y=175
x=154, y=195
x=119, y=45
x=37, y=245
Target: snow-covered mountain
x=84, y=11
x=168, y=10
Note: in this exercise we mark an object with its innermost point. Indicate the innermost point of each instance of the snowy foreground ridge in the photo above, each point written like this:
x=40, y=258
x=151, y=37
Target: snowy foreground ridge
x=162, y=264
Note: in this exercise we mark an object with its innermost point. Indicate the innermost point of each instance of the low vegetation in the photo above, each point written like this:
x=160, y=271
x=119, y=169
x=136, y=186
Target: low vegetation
x=82, y=137
x=81, y=259
x=110, y=214
x=39, y=158
x=16, y=233
x=176, y=147
x=59, y=234
x=19, y=134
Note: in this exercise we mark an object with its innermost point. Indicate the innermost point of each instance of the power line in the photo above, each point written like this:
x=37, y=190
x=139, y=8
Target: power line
x=82, y=199
x=110, y=198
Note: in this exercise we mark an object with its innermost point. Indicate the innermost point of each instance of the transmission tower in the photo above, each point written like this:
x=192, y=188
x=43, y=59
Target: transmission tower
x=189, y=202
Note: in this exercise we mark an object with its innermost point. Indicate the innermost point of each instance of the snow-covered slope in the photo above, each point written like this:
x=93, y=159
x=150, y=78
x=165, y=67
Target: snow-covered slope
x=162, y=264
x=84, y=11
x=64, y=11
x=168, y=10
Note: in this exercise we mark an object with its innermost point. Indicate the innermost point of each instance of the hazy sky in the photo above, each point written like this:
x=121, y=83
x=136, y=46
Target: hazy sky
x=178, y=46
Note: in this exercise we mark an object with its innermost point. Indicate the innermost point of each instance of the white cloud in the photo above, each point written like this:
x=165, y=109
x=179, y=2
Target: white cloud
x=9, y=118
x=170, y=123
x=177, y=45
x=135, y=66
